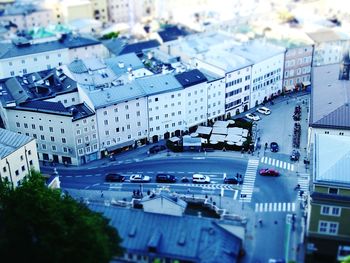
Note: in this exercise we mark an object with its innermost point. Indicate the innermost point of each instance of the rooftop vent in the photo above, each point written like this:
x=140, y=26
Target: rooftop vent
x=121, y=64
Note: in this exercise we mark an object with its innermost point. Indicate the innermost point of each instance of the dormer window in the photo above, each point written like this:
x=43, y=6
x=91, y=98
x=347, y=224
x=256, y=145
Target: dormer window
x=333, y=191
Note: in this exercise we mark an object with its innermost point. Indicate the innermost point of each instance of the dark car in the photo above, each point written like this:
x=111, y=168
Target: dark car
x=165, y=178
x=295, y=155
x=274, y=147
x=268, y=172
x=112, y=177
x=231, y=180
x=156, y=148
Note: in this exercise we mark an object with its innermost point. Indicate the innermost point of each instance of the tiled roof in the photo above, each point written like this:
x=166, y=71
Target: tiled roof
x=11, y=50
x=332, y=159
x=138, y=47
x=337, y=119
x=190, y=78
x=11, y=141
x=45, y=106
x=156, y=84
x=186, y=238
x=170, y=33
x=120, y=64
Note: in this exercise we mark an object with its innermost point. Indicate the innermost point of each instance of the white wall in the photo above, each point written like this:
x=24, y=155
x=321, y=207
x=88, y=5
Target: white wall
x=216, y=98
x=17, y=165
x=33, y=63
x=260, y=70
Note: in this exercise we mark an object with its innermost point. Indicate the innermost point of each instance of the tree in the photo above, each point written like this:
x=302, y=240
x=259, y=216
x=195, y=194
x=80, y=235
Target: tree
x=38, y=224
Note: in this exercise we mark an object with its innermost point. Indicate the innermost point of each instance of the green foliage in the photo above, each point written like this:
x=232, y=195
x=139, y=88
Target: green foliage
x=110, y=35
x=38, y=224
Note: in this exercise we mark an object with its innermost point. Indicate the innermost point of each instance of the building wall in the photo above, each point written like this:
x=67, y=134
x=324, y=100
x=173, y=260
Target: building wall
x=67, y=99
x=55, y=134
x=216, y=98
x=98, y=51
x=122, y=122
x=165, y=113
x=268, y=71
x=195, y=104
x=313, y=131
x=16, y=166
x=16, y=66
x=297, y=65
x=238, y=88
x=329, y=52
x=118, y=11
x=100, y=10
x=76, y=10
x=38, y=18
x=318, y=216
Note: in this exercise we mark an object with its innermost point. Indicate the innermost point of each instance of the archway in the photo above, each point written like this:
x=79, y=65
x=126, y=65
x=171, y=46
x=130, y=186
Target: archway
x=237, y=112
x=155, y=138
x=166, y=135
x=245, y=107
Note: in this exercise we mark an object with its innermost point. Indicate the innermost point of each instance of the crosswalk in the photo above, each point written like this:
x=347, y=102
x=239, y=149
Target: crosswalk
x=303, y=181
x=278, y=163
x=274, y=207
x=249, y=180
x=211, y=186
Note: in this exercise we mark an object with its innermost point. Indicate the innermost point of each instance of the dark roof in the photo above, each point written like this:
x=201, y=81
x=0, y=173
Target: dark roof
x=183, y=238
x=337, y=119
x=170, y=33
x=46, y=106
x=67, y=41
x=190, y=78
x=139, y=47
x=114, y=45
x=329, y=197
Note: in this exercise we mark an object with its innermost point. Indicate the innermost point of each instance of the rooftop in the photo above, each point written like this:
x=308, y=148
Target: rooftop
x=156, y=84
x=35, y=86
x=123, y=63
x=184, y=238
x=11, y=141
x=139, y=47
x=332, y=159
x=24, y=47
x=328, y=94
x=171, y=32
x=190, y=78
x=327, y=35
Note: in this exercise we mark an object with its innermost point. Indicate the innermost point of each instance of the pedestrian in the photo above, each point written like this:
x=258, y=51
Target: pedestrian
x=276, y=222
x=101, y=194
x=260, y=222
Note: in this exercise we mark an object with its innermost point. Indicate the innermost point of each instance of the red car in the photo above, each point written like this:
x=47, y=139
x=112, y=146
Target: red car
x=268, y=172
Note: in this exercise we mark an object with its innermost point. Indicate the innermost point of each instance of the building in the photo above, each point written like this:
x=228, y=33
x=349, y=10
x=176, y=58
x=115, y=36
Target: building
x=23, y=56
x=329, y=203
x=329, y=46
x=18, y=155
x=26, y=16
x=149, y=237
x=329, y=107
x=47, y=107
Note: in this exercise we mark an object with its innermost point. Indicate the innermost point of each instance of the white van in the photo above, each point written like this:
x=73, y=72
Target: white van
x=200, y=178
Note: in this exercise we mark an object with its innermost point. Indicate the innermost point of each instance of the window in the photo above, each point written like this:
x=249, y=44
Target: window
x=17, y=172
x=30, y=162
x=126, y=107
x=25, y=125
x=53, y=147
x=325, y=227
x=105, y=112
x=41, y=128
x=29, y=152
x=326, y=132
x=52, y=138
x=127, y=116
x=78, y=132
x=333, y=191
x=62, y=131
x=138, y=113
x=51, y=129
x=64, y=140
x=336, y=211
x=79, y=141
x=105, y=122
x=23, y=168
x=12, y=73
x=18, y=124
x=325, y=210
x=42, y=137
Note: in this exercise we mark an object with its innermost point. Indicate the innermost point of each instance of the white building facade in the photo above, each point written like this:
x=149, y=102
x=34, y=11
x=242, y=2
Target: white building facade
x=18, y=155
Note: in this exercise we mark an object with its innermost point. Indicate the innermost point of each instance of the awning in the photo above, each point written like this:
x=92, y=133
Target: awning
x=219, y=130
x=306, y=83
x=235, y=130
x=221, y=124
x=189, y=141
x=174, y=139
x=120, y=145
x=289, y=88
x=217, y=137
x=233, y=138
x=204, y=130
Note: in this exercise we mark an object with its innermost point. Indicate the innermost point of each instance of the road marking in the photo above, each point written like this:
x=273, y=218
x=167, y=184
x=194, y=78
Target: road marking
x=198, y=158
x=284, y=165
x=284, y=207
x=288, y=206
x=235, y=195
x=88, y=175
x=67, y=176
x=292, y=167
x=270, y=161
x=270, y=206
x=279, y=206
x=288, y=166
x=281, y=164
x=79, y=176
x=293, y=207
x=277, y=162
x=274, y=206
x=89, y=168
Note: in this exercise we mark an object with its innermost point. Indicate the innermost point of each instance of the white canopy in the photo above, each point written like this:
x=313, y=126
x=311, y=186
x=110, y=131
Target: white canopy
x=221, y=124
x=204, y=130
x=217, y=137
x=219, y=130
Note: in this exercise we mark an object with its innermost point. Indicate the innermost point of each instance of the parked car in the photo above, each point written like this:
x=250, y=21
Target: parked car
x=113, y=177
x=268, y=172
x=185, y=179
x=252, y=116
x=295, y=155
x=274, y=147
x=231, y=180
x=165, y=178
x=157, y=148
x=139, y=178
x=264, y=110
x=200, y=178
